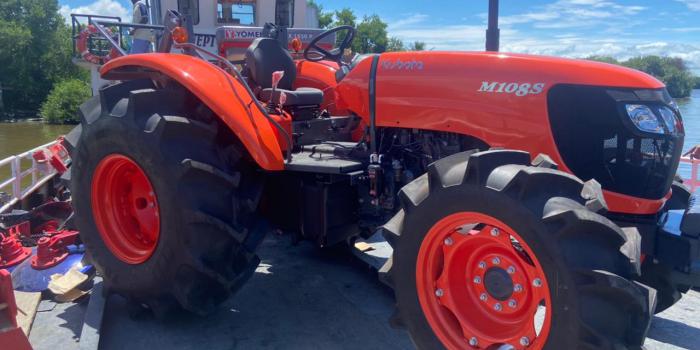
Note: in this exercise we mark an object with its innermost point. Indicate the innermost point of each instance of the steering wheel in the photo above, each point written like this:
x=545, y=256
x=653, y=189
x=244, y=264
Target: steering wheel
x=315, y=53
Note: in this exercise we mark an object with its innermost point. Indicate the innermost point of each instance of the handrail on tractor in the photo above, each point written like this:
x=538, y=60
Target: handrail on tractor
x=39, y=176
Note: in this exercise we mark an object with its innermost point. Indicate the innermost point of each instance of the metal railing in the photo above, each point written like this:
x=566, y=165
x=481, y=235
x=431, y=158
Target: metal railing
x=693, y=183
x=96, y=43
x=19, y=188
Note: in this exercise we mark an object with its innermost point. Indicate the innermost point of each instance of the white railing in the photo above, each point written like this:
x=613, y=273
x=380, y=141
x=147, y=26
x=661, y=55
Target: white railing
x=693, y=181
x=38, y=175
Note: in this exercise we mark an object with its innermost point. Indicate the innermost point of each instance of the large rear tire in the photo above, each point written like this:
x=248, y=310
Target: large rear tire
x=485, y=240
x=158, y=196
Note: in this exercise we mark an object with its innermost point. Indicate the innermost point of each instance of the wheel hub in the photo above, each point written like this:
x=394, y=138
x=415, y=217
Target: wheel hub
x=125, y=209
x=480, y=285
x=498, y=283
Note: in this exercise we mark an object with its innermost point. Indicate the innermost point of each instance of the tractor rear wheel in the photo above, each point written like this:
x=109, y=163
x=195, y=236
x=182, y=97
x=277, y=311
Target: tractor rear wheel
x=490, y=251
x=159, y=198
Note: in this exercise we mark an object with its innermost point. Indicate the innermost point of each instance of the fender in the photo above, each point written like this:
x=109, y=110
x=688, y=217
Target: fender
x=221, y=92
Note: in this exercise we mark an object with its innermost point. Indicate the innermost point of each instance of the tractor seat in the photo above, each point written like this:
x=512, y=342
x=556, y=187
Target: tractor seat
x=298, y=97
x=266, y=56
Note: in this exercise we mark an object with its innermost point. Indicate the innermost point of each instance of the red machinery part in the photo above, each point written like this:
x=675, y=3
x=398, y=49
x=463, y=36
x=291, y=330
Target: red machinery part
x=22, y=229
x=53, y=250
x=11, y=336
x=53, y=155
x=12, y=252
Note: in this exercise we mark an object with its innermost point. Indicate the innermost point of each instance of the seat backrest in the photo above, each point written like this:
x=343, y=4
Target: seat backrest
x=266, y=56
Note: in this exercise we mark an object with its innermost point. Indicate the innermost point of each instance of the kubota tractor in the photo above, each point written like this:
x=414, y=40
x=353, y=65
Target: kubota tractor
x=530, y=201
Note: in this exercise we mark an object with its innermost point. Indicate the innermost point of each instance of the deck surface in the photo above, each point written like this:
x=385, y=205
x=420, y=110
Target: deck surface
x=300, y=298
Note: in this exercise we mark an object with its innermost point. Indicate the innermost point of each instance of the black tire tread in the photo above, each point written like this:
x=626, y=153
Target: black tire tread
x=216, y=258
x=556, y=198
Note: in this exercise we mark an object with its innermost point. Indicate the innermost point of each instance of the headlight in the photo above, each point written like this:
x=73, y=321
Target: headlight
x=669, y=119
x=644, y=119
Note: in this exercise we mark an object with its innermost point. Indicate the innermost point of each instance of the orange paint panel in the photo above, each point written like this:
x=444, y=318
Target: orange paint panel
x=482, y=95
x=223, y=94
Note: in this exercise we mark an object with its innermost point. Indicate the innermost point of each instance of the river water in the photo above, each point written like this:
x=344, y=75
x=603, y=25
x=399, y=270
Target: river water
x=21, y=136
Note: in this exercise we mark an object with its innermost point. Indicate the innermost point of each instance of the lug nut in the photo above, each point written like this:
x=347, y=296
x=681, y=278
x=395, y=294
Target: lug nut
x=496, y=261
x=524, y=341
x=483, y=297
x=448, y=241
x=512, y=303
x=477, y=279
x=518, y=288
x=482, y=265
x=439, y=293
x=498, y=307
x=473, y=341
x=511, y=270
x=495, y=232
x=537, y=282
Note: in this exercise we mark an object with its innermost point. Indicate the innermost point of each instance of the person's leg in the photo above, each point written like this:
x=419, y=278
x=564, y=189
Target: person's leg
x=140, y=46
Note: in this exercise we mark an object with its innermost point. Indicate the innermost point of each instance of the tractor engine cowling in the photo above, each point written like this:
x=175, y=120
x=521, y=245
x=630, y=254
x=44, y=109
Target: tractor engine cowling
x=628, y=140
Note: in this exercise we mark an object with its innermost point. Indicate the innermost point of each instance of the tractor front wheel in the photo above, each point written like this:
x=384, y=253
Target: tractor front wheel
x=490, y=251
x=163, y=198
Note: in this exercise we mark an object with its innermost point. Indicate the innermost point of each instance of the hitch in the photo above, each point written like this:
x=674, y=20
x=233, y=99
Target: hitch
x=53, y=249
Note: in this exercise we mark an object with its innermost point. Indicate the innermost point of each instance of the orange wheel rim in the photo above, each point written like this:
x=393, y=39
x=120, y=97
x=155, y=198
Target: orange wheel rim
x=125, y=209
x=480, y=285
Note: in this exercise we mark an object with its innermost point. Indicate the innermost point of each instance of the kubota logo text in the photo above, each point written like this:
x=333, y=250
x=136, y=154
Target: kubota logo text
x=403, y=65
x=512, y=88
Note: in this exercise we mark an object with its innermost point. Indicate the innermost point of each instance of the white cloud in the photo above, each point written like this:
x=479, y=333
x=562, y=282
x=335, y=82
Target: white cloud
x=564, y=44
x=610, y=37
x=409, y=21
x=682, y=30
x=694, y=5
x=577, y=47
x=572, y=14
x=99, y=7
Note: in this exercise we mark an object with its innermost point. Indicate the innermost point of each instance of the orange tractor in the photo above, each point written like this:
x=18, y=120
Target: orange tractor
x=529, y=201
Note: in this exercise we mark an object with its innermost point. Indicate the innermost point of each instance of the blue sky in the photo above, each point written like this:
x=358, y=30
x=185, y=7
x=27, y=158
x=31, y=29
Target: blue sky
x=571, y=28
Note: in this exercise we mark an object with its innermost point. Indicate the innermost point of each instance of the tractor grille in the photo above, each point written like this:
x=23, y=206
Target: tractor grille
x=595, y=143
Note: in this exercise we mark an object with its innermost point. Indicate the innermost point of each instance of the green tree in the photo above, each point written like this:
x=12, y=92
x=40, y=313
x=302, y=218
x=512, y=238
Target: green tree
x=417, y=46
x=697, y=82
x=604, y=59
x=35, y=48
x=372, y=36
x=671, y=70
x=395, y=44
x=324, y=18
x=344, y=17
x=62, y=104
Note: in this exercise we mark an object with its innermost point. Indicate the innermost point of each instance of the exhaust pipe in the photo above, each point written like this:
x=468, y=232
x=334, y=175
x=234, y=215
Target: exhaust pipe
x=493, y=34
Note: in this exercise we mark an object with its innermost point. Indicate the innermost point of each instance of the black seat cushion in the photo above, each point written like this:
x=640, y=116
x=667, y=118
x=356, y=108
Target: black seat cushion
x=266, y=56
x=298, y=97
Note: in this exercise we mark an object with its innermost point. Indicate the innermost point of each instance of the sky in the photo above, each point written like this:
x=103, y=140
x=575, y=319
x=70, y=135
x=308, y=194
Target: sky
x=569, y=28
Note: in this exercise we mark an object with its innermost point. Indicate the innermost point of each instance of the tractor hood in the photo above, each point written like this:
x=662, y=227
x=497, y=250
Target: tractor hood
x=501, y=99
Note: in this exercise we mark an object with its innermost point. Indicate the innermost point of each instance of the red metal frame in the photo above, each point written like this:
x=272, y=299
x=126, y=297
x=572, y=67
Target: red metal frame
x=451, y=275
x=12, y=252
x=11, y=336
x=125, y=209
x=53, y=249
